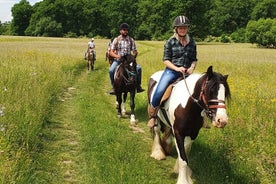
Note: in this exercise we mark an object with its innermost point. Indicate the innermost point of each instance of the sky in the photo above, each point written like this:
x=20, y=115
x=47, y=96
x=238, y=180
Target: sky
x=5, y=8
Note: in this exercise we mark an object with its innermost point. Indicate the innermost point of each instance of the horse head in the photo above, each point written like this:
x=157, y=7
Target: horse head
x=129, y=64
x=214, y=91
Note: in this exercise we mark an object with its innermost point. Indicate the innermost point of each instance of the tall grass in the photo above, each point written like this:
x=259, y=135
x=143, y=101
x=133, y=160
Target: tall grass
x=41, y=133
x=33, y=73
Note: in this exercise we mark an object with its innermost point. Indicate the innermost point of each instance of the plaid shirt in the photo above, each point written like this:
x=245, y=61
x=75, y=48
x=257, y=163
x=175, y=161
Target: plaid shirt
x=179, y=55
x=123, y=46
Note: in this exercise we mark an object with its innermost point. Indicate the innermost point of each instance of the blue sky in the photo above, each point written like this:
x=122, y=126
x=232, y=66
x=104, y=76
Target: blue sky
x=5, y=8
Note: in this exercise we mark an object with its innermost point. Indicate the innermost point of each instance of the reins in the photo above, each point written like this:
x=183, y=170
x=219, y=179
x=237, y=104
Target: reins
x=207, y=108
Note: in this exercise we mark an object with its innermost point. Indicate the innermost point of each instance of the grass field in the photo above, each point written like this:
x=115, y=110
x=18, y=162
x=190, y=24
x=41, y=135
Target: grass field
x=58, y=123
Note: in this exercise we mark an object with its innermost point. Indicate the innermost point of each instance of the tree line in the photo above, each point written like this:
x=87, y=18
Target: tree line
x=227, y=20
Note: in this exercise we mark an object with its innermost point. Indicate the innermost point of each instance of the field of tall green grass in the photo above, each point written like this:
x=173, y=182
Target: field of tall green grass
x=58, y=123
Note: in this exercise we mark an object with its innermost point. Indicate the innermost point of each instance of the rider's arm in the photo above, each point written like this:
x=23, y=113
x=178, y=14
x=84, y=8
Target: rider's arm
x=113, y=54
x=134, y=53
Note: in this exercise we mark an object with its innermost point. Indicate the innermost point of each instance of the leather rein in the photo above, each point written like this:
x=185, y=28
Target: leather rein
x=207, y=106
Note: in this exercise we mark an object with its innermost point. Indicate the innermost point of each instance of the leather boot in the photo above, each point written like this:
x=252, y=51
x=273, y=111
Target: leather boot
x=139, y=89
x=152, y=115
x=112, y=91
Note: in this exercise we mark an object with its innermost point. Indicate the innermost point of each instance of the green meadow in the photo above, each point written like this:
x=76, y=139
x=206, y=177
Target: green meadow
x=58, y=124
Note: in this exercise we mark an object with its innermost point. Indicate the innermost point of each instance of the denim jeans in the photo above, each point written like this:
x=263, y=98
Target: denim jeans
x=113, y=67
x=168, y=77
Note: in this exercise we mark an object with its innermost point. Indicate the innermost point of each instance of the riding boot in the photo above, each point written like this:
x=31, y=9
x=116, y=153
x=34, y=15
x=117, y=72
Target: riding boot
x=112, y=91
x=152, y=115
x=139, y=89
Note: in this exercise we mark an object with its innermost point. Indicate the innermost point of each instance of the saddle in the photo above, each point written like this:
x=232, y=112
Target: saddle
x=168, y=91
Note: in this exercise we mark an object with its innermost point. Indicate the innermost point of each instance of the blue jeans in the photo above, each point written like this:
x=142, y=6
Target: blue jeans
x=113, y=67
x=168, y=77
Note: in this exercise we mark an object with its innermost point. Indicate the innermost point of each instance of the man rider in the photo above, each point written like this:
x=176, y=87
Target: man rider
x=121, y=46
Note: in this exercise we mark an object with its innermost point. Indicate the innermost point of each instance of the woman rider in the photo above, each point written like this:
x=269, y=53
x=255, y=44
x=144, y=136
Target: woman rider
x=179, y=58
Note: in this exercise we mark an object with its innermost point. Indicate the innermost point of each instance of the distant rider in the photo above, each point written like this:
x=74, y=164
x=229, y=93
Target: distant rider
x=91, y=45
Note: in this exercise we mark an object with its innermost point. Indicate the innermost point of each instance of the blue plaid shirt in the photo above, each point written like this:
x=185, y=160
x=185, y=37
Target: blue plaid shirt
x=179, y=55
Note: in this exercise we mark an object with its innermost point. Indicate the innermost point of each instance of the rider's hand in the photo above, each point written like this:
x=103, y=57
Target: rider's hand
x=190, y=70
x=181, y=69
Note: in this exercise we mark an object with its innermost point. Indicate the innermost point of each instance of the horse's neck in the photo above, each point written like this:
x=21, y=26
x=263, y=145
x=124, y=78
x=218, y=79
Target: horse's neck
x=182, y=91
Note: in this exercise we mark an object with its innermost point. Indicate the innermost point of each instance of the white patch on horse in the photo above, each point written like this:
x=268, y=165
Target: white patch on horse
x=221, y=117
x=181, y=167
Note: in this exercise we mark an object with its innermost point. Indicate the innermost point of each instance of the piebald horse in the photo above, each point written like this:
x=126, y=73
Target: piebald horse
x=181, y=115
x=125, y=79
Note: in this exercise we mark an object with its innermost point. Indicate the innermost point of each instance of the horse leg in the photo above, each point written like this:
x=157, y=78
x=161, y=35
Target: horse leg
x=124, y=104
x=93, y=61
x=87, y=64
x=167, y=140
x=157, y=151
x=132, y=107
x=119, y=100
x=183, y=146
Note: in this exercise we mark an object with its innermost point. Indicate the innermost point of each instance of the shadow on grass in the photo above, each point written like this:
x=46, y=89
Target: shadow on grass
x=211, y=167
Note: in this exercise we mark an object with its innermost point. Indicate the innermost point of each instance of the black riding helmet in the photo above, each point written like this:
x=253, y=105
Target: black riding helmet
x=181, y=21
x=124, y=26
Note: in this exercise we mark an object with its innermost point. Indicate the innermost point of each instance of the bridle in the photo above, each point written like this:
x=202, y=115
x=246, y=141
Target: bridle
x=207, y=106
x=130, y=75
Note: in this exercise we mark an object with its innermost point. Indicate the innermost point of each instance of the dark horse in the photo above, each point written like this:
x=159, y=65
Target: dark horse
x=90, y=59
x=181, y=115
x=108, y=57
x=124, y=82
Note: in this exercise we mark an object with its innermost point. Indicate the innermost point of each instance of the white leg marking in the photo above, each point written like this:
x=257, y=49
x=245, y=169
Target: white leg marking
x=181, y=167
x=132, y=119
x=157, y=151
x=123, y=109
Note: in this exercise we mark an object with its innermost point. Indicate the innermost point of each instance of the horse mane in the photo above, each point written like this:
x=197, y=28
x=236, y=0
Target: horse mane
x=212, y=80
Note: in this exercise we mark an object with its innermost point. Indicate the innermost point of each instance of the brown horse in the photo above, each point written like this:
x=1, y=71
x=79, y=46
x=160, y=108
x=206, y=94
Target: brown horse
x=90, y=59
x=125, y=82
x=108, y=57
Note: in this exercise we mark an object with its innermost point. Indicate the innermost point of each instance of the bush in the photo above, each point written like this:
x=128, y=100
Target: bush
x=262, y=32
x=239, y=36
x=225, y=39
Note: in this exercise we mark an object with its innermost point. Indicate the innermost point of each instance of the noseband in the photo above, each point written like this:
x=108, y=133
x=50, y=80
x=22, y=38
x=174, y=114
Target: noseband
x=208, y=106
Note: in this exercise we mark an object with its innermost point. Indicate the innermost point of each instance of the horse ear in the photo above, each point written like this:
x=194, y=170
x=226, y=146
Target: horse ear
x=225, y=77
x=210, y=72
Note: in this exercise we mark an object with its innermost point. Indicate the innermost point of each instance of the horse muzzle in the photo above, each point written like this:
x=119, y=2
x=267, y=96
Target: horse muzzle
x=221, y=119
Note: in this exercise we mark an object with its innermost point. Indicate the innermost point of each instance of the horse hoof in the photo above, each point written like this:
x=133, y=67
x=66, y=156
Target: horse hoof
x=158, y=155
x=133, y=123
x=132, y=119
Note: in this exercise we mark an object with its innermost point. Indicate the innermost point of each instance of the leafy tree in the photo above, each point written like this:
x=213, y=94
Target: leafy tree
x=264, y=9
x=226, y=16
x=45, y=9
x=5, y=28
x=21, y=13
x=262, y=32
x=48, y=27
